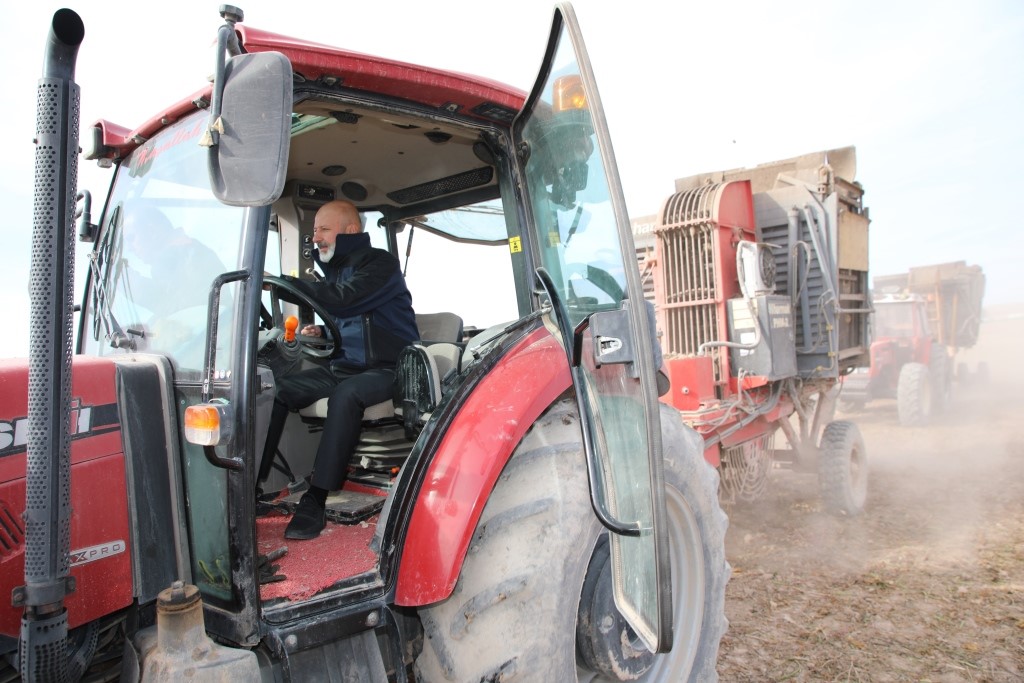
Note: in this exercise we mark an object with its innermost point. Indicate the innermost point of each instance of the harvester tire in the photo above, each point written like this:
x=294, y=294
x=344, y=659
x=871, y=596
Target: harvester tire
x=514, y=612
x=843, y=469
x=914, y=395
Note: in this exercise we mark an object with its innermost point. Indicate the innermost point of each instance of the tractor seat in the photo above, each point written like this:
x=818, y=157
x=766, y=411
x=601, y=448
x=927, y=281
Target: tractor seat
x=421, y=369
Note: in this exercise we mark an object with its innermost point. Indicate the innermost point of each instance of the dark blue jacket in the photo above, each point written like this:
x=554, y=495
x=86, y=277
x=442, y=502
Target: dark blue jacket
x=365, y=292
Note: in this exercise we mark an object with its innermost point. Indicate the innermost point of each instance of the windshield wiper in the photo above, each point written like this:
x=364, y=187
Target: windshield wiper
x=115, y=334
x=101, y=299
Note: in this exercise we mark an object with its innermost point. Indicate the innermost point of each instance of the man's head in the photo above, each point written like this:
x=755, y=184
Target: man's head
x=332, y=219
x=148, y=232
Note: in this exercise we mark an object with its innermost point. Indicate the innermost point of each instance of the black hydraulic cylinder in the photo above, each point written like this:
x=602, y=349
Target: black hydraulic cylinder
x=43, y=647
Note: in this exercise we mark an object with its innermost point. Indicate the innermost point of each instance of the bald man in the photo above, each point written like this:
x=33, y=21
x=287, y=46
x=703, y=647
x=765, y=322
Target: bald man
x=365, y=292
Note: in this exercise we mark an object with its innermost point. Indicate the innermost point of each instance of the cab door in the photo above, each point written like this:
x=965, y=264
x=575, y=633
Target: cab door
x=589, y=278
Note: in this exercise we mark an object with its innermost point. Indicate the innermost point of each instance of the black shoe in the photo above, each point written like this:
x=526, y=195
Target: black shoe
x=309, y=520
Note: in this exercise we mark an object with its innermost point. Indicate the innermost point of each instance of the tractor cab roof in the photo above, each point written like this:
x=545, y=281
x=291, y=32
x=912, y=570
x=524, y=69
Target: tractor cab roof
x=445, y=93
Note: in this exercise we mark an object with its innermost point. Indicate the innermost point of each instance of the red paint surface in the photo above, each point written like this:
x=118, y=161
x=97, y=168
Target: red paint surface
x=98, y=497
x=468, y=461
x=692, y=382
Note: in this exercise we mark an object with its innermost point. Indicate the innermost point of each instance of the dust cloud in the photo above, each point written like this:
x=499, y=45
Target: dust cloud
x=927, y=584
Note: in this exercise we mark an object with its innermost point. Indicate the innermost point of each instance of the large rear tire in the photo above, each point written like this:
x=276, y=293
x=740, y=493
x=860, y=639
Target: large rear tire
x=914, y=395
x=513, y=613
x=843, y=469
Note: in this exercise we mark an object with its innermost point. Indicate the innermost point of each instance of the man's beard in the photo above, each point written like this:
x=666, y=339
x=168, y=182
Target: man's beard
x=326, y=257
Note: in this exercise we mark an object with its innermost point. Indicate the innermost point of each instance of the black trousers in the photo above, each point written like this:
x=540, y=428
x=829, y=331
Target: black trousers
x=349, y=393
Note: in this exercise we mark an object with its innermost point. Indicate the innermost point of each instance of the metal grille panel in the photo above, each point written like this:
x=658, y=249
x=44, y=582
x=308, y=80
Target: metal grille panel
x=688, y=286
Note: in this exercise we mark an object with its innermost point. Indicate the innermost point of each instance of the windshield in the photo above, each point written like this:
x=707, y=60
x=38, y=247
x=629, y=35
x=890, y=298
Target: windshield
x=164, y=241
x=894, y=320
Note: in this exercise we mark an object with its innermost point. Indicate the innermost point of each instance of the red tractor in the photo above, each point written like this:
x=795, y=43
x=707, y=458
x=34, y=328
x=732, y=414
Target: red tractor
x=921, y=319
x=523, y=508
x=760, y=280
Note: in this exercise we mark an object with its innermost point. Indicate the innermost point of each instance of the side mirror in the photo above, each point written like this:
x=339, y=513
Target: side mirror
x=249, y=136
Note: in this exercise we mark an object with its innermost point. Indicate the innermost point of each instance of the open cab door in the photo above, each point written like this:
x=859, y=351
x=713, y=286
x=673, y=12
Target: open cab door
x=589, y=276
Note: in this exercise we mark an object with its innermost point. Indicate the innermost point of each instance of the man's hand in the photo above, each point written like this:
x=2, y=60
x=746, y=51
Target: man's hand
x=311, y=331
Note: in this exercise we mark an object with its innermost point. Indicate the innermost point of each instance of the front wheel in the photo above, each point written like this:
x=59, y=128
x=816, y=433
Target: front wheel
x=843, y=469
x=532, y=602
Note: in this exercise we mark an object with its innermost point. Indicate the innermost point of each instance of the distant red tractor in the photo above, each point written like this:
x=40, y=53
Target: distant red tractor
x=921, y=320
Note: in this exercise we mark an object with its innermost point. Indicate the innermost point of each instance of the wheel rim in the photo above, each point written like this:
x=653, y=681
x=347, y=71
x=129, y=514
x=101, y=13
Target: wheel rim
x=689, y=586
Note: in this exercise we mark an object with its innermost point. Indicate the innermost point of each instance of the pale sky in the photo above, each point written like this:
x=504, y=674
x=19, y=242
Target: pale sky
x=930, y=93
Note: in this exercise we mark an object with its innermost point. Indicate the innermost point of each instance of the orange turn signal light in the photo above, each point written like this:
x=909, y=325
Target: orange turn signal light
x=208, y=424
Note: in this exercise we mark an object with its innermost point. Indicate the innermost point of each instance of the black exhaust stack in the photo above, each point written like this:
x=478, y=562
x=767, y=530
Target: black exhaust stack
x=44, y=626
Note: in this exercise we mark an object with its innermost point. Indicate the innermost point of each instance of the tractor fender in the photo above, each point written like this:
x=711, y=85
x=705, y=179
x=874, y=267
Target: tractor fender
x=471, y=455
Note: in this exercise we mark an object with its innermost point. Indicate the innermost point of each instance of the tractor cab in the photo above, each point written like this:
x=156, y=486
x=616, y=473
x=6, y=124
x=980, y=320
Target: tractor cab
x=505, y=211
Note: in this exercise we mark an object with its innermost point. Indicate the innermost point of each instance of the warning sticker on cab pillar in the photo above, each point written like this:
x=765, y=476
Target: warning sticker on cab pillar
x=515, y=244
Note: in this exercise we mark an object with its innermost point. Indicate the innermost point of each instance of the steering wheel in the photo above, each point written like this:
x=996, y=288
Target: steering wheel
x=283, y=290
x=598, y=277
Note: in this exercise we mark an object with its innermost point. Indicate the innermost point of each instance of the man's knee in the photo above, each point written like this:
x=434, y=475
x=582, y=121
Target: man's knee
x=359, y=392
x=347, y=398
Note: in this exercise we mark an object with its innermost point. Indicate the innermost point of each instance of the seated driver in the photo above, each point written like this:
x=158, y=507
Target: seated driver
x=365, y=292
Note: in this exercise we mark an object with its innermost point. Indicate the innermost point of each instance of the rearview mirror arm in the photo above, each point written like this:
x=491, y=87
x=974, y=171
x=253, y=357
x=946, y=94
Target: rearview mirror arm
x=227, y=42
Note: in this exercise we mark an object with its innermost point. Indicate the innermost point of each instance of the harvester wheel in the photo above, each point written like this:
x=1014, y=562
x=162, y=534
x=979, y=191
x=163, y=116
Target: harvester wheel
x=914, y=395
x=843, y=469
x=524, y=607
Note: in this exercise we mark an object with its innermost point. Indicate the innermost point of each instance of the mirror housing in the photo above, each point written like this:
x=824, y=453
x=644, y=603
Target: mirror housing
x=248, y=141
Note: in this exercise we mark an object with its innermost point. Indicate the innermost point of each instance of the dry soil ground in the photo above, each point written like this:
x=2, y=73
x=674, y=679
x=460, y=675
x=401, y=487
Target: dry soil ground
x=927, y=584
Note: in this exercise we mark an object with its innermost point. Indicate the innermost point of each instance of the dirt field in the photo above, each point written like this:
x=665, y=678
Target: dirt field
x=926, y=585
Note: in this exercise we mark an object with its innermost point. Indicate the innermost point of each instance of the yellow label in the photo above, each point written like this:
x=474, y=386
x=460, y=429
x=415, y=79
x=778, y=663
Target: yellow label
x=553, y=239
x=515, y=244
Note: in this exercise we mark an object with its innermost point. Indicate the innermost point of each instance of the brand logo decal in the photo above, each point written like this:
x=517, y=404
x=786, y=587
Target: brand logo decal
x=83, y=421
x=97, y=552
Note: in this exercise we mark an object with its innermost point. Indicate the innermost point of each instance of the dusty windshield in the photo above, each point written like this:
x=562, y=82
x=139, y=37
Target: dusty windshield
x=894, y=320
x=164, y=241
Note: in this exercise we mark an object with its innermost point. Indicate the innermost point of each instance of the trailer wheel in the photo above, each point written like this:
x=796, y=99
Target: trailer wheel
x=842, y=469
x=524, y=599
x=914, y=395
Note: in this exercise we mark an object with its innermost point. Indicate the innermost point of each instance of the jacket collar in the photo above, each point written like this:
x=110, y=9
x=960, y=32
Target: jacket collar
x=343, y=246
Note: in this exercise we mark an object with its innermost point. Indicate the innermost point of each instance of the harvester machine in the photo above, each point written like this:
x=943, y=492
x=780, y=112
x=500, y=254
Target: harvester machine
x=760, y=283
